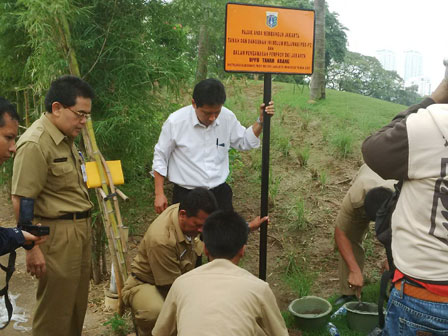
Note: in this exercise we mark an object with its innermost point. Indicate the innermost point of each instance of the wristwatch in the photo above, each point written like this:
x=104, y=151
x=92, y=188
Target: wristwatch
x=259, y=122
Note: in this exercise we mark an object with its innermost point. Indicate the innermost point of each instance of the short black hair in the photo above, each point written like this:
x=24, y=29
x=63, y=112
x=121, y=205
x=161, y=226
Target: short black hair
x=7, y=108
x=198, y=199
x=209, y=92
x=374, y=199
x=66, y=89
x=224, y=234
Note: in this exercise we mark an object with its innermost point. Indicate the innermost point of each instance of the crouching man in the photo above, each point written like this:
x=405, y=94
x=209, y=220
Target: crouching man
x=220, y=298
x=170, y=248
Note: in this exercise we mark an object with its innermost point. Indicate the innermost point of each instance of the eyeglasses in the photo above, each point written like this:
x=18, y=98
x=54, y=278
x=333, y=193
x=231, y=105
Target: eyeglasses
x=80, y=115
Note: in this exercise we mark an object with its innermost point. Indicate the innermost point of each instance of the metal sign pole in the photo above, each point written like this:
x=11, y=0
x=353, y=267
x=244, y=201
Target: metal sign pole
x=265, y=176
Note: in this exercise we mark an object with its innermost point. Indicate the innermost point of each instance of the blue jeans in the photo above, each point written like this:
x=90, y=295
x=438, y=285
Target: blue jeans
x=408, y=316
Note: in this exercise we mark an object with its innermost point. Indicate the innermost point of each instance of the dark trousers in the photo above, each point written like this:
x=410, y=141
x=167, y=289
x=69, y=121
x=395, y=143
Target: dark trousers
x=223, y=194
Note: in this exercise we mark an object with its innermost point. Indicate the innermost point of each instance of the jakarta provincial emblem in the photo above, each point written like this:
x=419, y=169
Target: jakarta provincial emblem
x=271, y=19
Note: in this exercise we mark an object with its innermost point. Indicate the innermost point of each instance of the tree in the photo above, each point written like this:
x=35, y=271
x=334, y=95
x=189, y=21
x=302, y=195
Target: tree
x=365, y=75
x=204, y=23
x=317, y=91
x=335, y=39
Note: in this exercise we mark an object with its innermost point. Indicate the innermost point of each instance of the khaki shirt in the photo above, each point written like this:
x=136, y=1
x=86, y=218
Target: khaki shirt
x=47, y=167
x=220, y=299
x=165, y=252
x=352, y=216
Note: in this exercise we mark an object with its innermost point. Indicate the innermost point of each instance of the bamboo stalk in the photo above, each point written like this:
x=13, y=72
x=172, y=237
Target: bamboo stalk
x=121, y=194
x=121, y=228
x=108, y=207
x=26, y=102
x=116, y=243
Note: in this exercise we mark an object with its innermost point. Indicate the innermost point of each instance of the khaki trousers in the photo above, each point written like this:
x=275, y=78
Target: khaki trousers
x=61, y=299
x=355, y=228
x=145, y=302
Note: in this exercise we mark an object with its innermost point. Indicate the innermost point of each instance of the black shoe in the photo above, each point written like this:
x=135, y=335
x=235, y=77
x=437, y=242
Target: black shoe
x=344, y=298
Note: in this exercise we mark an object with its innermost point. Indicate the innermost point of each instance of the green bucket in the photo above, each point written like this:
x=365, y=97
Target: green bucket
x=310, y=312
x=362, y=317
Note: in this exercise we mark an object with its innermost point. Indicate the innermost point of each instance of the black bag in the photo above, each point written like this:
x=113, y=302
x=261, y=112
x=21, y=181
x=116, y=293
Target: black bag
x=383, y=230
x=4, y=292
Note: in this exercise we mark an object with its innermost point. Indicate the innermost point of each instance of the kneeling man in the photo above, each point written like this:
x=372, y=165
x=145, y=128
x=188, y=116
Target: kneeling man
x=220, y=298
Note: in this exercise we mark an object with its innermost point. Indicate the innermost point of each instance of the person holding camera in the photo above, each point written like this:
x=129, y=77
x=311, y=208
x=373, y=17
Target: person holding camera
x=413, y=148
x=11, y=238
x=48, y=168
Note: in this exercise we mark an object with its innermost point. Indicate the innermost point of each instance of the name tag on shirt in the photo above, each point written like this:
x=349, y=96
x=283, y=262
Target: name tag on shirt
x=83, y=168
x=63, y=159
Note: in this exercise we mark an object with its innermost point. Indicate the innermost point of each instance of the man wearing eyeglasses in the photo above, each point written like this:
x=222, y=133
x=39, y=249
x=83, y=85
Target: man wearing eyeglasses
x=49, y=168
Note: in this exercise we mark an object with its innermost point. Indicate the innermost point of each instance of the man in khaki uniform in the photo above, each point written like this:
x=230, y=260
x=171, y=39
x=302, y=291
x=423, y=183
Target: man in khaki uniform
x=220, y=298
x=48, y=168
x=169, y=248
x=352, y=223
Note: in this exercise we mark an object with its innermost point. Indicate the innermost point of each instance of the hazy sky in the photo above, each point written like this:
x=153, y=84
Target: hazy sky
x=398, y=25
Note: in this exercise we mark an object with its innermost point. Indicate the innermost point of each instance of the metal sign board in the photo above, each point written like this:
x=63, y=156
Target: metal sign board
x=269, y=39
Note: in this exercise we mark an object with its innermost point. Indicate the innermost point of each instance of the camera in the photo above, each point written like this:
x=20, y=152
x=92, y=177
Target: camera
x=26, y=216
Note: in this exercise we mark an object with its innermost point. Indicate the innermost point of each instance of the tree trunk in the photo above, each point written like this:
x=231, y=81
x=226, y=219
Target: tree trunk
x=203, y=44
x=317, y=91
x=203, y=50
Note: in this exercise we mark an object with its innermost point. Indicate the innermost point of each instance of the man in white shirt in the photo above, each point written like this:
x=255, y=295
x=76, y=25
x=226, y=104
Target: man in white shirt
x=193, y=146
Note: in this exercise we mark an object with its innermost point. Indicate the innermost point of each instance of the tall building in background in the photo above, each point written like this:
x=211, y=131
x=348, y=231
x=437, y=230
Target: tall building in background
x=413, y=65
x=387, y=59
x=423, y=83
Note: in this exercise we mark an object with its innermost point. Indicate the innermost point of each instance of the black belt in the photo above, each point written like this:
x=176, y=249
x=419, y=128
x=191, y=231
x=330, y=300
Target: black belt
x=75, y=215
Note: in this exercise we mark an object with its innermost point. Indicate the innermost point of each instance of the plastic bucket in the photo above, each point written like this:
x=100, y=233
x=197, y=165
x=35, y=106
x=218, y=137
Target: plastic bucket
x=362, y=317
x=310, y=312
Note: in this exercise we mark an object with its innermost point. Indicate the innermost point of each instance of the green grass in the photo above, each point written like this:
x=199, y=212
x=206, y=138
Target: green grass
x=323, y=179
x=341, y=112
x=298, y=277
x=274, y=186
x=304, y=155
x=297, y=215
x=343, y=143
x=119, y=326
x=234, y=163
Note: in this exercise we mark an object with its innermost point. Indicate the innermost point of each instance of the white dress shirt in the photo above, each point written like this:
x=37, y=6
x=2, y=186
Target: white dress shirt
x=192, y=155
